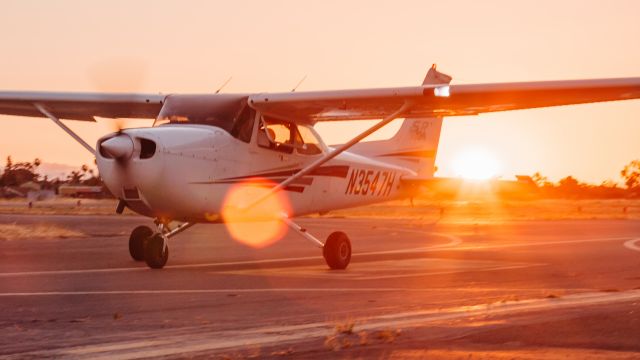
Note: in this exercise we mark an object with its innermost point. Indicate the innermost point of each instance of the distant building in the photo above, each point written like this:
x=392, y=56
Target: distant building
x=82, y=191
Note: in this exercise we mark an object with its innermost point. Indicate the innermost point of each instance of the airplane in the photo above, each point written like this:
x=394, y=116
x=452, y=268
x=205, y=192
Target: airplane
x=202, y=146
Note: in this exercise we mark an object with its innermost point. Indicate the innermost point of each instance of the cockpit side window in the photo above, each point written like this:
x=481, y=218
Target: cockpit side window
x=276, y=135
x=286, y=137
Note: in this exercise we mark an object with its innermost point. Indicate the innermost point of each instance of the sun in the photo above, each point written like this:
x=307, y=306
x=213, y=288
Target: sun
x=476, y=164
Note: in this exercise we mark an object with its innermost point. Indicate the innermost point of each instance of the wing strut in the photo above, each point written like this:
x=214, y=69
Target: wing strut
x=64, y=127
x=319, y=162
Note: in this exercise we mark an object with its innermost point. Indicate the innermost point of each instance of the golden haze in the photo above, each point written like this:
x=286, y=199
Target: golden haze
x=194, y=46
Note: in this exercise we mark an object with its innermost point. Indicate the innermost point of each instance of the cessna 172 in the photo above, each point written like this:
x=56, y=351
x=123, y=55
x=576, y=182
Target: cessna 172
x=201, y=146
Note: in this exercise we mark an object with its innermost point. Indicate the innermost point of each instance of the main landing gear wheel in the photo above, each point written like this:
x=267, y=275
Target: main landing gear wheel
x=156, y=252
x=337, y=250
x=137, y=241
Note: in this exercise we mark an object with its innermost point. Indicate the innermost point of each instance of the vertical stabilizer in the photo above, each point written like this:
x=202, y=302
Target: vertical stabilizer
x=415, y=145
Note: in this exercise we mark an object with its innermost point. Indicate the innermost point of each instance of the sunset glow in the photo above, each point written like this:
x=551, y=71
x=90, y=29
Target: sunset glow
x=476, y=164
x=498, y=41
x=255, y=225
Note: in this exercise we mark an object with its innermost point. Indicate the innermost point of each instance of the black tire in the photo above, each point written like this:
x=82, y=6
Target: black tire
x=137, y=239
x=156, y=253
x=337, y=250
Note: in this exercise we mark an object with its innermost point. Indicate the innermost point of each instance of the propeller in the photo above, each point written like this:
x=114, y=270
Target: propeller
x=117, y=125
x=118, y=75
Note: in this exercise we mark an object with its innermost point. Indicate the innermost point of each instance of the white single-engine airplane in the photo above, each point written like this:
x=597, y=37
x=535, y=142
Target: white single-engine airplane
x=201, y=146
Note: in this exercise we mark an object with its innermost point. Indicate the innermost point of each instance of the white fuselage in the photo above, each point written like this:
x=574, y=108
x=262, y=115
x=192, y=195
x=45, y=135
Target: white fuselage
x=193, y=167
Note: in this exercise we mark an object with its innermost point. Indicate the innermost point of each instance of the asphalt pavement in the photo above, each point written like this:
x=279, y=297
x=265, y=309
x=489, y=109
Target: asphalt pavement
x=543, y=289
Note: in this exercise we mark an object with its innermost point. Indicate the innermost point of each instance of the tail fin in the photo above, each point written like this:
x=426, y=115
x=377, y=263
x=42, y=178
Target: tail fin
x=415, y=145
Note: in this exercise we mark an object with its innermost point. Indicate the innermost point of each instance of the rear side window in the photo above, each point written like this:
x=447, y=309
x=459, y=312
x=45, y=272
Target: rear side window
x=243, y=125
x=309, y=141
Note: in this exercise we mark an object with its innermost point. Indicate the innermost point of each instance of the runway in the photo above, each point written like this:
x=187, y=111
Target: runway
x=413, y=290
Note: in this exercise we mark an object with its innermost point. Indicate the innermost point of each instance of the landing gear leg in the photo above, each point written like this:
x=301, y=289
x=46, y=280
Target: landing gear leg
x=156, y=249
x=336, y=250
x=156, y=252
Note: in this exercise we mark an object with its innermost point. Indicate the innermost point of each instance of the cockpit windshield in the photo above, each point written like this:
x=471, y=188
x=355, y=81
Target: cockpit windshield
x=228, y=112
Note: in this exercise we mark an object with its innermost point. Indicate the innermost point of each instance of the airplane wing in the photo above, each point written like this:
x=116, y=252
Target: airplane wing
x=440, y=99
x=81, y=106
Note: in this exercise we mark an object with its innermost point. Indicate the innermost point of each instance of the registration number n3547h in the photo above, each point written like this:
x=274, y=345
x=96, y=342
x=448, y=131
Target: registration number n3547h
x=370, y=182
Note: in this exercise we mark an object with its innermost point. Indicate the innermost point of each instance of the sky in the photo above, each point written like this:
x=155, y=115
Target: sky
x=268, y=46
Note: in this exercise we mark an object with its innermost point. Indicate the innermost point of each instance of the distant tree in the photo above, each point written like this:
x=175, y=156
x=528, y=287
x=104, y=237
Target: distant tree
x=16, y=174
x=8, y=165
x=608, y=189
x=93, y=180
x=569, y=182
x=540, y=180
x=75, y=178
x=631, y=174
x=84, y=176
x=569, y=186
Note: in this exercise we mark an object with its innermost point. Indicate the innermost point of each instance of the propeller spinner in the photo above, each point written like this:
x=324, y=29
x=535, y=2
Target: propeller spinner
x=119, y=147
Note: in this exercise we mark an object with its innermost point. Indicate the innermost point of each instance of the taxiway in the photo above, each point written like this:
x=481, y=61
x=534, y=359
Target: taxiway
x=413, y=289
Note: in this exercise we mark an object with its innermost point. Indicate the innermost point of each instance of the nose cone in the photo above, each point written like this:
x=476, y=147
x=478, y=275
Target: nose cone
x=119, y=147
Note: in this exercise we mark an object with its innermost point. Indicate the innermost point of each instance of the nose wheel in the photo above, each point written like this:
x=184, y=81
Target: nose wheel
x=156, y=251
x=137, y=241
x=153, y=247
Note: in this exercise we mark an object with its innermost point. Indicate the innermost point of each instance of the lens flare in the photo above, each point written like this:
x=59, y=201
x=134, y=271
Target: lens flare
x=256, y=225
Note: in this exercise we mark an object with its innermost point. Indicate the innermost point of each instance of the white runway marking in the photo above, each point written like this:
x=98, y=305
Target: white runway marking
x=204, y=291
x=200, y=340
x=539, y=243
x=452, y=241
x=633, y=244
x=453, y=244
x=385, y=269
x=273, y=290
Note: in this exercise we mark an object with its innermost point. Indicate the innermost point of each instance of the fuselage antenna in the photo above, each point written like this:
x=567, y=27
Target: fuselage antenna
x=298, y=84
x=224, y=84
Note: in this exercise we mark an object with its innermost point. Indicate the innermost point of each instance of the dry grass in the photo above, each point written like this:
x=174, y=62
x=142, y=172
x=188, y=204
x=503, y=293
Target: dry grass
x=61, y=206
x=332, y=342
x=480, y=211
x=38, y=231
x=340, y=339
x=387, y=335
x=345, y=327
x=285, y=352
x=345, y=337
x=489, y=211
